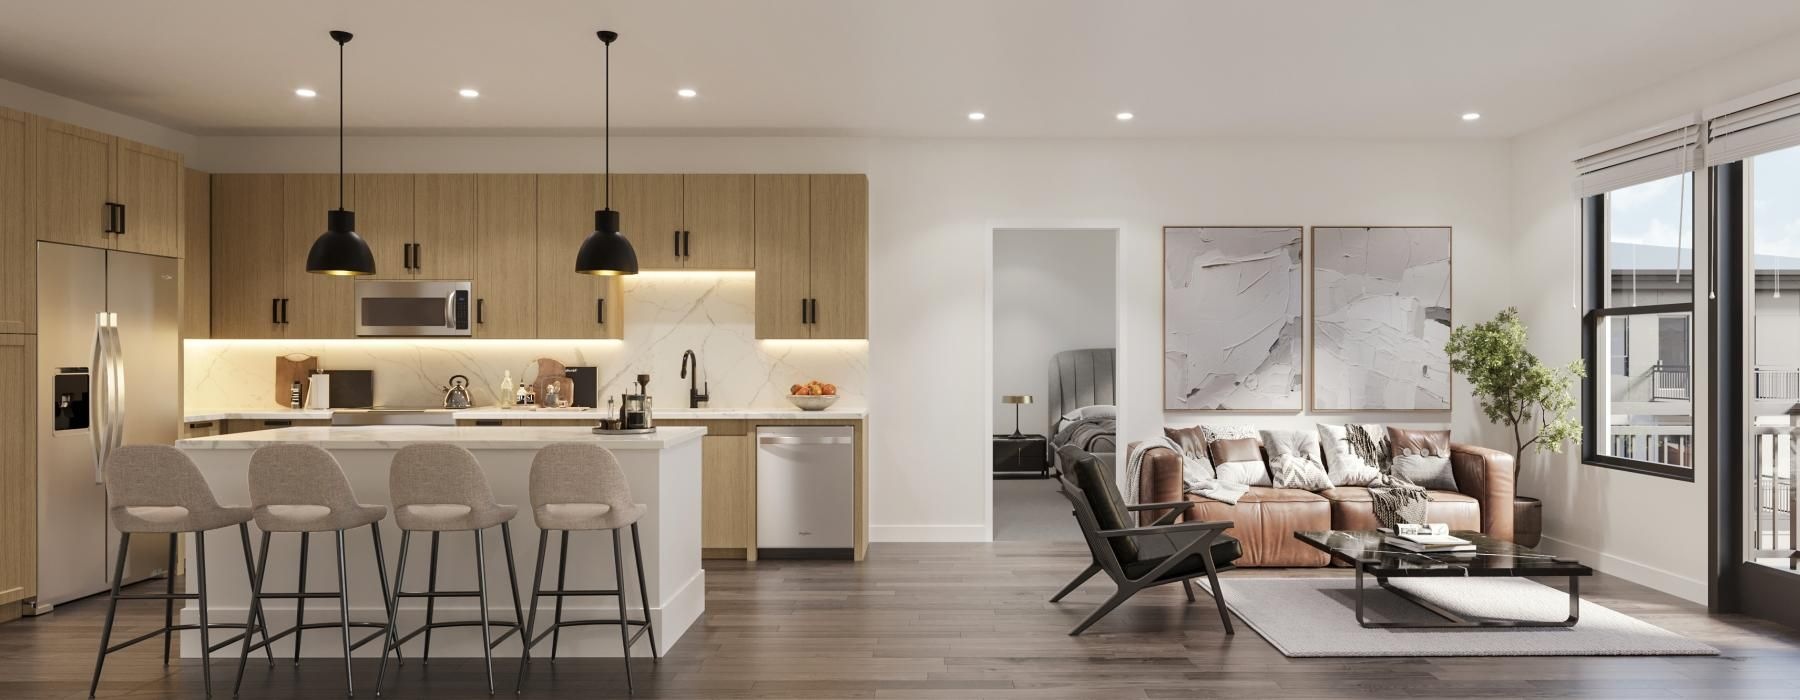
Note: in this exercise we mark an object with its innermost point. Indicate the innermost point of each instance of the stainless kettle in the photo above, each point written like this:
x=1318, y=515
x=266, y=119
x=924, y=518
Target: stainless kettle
x=457, y=394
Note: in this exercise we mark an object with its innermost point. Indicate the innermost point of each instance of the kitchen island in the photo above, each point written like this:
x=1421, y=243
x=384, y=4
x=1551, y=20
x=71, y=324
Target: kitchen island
x=664, y=472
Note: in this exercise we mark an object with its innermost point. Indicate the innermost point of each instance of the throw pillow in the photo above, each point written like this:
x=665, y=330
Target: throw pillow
x=1239, y=461
x=1354, y=454
x=1422, y=457
x=1301, y=443
x=1292, y=471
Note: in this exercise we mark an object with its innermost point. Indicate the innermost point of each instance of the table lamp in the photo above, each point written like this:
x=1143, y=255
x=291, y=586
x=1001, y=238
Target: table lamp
x=1016, y=400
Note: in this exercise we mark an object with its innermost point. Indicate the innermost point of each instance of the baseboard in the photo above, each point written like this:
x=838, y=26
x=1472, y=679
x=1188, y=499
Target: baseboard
x=928, y=533
x=1660, y=579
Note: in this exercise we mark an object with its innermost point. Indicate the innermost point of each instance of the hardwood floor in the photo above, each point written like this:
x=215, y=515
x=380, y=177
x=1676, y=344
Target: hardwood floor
x=949, y=621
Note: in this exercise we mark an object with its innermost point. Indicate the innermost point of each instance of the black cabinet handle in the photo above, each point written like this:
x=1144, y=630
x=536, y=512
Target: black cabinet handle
x=114, y=219
x=488, y=421
x=416, y=248
x=480, y=310
x=124, y=216
x=815, y=310
x=406, y=255
x=284, y=316
x=600, y=310
x=278, y=424
x=275, y=310
x=687, y=243
x=677, y=237
x=802, y=312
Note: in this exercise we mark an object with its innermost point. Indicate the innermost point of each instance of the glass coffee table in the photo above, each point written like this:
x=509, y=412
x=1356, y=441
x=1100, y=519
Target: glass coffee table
x=1368, y=552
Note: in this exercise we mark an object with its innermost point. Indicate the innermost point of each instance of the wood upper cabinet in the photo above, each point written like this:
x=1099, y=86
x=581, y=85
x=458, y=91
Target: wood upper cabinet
x=840, y=256
x=249, y=256
x=783, y=256
x=649, y=209
x=74, y=185
x=506, y=256
x=718, y=222
x=196, y=258
x=384, y=219
x=570, y=304
x=18, y=246
x=444, y=226
x=147, y=185
x=812, y=256
x=18, y=468
x=314, y=306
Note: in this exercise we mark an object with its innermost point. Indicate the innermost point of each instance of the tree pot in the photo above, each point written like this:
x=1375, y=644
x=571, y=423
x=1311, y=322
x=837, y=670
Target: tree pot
x=1528, y=521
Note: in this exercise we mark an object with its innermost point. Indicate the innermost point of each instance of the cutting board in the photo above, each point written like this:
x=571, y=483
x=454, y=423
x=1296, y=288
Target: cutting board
x=290, y=369
x=549, y=372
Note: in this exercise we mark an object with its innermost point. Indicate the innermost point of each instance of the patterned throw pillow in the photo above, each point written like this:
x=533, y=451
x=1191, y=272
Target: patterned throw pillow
x=1355, y=454
x=1240, y=461
x=1292, y=471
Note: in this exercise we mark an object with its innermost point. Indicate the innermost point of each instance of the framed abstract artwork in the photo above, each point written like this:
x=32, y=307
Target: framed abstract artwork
x=1232, y=318
x=1380, y=318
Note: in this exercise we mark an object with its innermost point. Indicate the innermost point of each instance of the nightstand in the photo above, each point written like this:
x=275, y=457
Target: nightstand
x=1023, y=455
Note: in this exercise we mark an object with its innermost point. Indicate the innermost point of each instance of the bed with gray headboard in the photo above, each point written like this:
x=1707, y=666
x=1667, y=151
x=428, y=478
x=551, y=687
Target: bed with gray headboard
x=1082, y=386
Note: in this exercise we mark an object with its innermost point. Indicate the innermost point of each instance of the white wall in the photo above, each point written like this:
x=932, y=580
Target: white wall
x=933, y=207
x=1648, y=529
x=1053, y=291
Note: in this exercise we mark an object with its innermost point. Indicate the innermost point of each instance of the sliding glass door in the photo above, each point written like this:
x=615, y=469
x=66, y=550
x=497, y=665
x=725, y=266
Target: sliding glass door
x=1770, y=204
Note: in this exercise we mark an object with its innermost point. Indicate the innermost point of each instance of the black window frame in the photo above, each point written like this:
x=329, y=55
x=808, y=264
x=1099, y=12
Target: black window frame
x=1596, y=277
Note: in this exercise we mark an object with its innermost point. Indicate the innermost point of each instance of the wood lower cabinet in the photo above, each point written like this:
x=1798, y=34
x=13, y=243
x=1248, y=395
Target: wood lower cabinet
x=506, y=256
x=196, y=258
x=147, y=186
x=570, y=304
x=313, y=305
x=249, y=254
x=812, y=256
x=18, y=247
x=18, y=469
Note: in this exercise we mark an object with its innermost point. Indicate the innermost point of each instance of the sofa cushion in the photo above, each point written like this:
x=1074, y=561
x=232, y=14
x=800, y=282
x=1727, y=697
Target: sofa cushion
x=1352, y=508
x=1355, y=454
x=1096, y=483
x=1239, y=461
x=1422, y=457
x=1154, y=549
x=1264, y=522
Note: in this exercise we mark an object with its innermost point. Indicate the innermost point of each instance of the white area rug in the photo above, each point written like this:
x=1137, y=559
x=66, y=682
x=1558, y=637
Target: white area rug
x=1317, y=617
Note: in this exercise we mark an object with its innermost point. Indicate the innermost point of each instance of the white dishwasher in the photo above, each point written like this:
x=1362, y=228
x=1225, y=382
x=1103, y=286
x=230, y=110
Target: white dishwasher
x=805, y=492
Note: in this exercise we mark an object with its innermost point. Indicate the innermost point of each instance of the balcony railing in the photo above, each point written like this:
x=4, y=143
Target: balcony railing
x=1671, y=382
x=1778, y=383
x=1773, y=498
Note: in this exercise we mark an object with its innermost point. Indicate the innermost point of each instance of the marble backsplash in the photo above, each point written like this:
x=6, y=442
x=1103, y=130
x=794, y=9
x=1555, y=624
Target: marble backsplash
x=666, y=313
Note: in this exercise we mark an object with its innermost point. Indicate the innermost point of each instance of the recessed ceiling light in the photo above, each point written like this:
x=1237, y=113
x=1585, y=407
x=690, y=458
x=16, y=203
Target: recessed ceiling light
x=469, y=92
x=687, y=92
x=976, y=116
x=306, y=92
x=1471, y=116
x=1124, y=116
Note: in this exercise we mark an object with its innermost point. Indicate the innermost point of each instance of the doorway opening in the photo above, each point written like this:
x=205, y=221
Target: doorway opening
x=1055, y=334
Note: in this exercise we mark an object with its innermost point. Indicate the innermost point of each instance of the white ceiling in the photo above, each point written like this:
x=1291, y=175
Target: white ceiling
x=1038, y=68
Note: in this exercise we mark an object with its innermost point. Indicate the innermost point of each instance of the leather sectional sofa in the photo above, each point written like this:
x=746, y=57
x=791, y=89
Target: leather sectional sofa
x=1266, y=518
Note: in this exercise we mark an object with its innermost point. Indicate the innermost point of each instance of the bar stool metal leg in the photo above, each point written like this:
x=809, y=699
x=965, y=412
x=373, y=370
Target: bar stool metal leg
x=169, y=604
x=300, y=603
x=392, y=640
x=487, y=635
x=344, y=611
x=205, y=628
x=430, y=603
x=562, y=571
x=537, y=589
x=256, y=588
x=260, y=622
x=624, y=629
x=637, y=552
x=112, y=612
x=381, y=571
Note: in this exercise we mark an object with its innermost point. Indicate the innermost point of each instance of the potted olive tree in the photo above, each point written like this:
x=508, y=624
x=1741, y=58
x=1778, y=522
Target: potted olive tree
x=1519, y=391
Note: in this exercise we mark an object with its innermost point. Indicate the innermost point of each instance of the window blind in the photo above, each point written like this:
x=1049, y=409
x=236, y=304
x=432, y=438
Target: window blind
x=1753, y=125
x=1667, y=149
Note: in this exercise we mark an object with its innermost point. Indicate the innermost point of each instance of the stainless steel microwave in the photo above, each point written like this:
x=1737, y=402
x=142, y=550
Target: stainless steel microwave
x=413, y=308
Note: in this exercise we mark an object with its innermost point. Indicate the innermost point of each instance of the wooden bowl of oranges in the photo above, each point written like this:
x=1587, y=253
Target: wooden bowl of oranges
x=813, y=396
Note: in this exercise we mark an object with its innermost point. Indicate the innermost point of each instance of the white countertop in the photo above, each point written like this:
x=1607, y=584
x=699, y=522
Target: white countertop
x=491, y=413
x=387, y=437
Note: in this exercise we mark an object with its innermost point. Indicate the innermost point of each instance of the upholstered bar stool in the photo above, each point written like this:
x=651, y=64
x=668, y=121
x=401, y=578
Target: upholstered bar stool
x=438, y=488
x=578, y=486
x=302, y=489
x=157, y=490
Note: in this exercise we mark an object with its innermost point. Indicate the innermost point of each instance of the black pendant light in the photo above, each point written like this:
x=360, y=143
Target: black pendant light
x=339, y=251
x=606, y=251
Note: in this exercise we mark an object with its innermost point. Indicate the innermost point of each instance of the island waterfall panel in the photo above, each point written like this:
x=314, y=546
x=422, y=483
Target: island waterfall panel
x=1381, y=316
x=663, y=470
x=1231, y=318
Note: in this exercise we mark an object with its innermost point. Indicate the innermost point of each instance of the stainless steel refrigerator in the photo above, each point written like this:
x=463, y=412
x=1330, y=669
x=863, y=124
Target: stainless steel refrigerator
x=109, y=374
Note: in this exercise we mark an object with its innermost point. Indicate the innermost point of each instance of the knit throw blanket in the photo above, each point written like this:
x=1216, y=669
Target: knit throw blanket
x=1397, y=500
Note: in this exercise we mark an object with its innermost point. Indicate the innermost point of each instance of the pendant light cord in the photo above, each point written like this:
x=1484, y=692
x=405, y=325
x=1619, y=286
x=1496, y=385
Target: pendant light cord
x=606, y=131
x=340, y=126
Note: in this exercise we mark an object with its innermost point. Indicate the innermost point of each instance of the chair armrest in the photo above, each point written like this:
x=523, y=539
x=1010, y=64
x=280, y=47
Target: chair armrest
x=1171, y=504
x=1159, y=481
x=1190, y=526
x=1487, y=476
